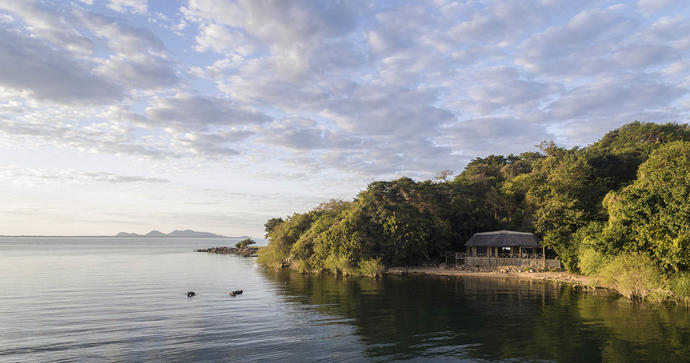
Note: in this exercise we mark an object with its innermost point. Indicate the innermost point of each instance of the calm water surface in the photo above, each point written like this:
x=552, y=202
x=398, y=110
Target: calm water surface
x=106, y=299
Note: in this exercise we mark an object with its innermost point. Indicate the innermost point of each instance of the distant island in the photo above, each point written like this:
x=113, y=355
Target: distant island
x=175, y=233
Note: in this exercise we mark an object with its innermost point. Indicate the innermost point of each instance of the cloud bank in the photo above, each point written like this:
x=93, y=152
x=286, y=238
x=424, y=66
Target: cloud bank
x=332, y=93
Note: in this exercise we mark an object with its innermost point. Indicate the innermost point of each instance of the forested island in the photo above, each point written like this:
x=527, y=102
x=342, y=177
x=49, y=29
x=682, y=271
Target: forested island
x=617, y=210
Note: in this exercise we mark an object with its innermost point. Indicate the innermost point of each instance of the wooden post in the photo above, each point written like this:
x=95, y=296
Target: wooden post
x=520, y=252
x=543, y=255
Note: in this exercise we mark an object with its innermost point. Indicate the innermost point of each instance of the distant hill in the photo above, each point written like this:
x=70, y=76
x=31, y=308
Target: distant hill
x=125, y=234
x=175, y=233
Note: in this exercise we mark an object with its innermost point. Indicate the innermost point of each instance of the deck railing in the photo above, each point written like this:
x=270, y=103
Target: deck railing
x=455, y=258
x=532, y=260
x=503, y=259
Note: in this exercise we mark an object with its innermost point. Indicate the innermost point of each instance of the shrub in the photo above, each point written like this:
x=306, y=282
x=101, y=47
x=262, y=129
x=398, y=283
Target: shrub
x=680, y=286
x=245, y=243
x=659, y=295
x=302, y=266
x=338, y=265
x=372, y=267
x=590, y=261
x=651, y=214
x=632, y=275
x=270, y=257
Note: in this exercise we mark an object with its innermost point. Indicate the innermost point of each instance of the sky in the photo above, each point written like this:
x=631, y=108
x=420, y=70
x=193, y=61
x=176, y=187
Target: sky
x=216, y=115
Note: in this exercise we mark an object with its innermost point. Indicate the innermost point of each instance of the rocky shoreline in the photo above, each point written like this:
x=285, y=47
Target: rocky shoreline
x=499, y=271
x=244, y=252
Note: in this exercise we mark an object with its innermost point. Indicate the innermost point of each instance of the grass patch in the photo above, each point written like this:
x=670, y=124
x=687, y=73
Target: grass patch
x=372, y=267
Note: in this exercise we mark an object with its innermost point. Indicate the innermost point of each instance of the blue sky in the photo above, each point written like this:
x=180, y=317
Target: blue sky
x=125, y=115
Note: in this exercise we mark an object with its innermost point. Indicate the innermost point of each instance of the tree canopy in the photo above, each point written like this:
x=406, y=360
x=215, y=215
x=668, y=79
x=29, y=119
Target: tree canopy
x=653, y=213
x=245, y=243
x=591, y=198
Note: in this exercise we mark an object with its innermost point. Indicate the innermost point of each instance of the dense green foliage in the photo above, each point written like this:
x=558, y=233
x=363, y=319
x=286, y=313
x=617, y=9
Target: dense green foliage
x=680, y=287
x=271, y=224
x=633, y=275
x=652, y=215
x=371, y=267
x=590, y=261
x=626, y=193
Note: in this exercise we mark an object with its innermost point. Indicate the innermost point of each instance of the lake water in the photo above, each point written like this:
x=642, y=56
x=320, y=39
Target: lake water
x=107, y=299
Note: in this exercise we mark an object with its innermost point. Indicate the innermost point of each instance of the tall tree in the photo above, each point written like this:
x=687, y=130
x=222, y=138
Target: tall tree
x=652, y=215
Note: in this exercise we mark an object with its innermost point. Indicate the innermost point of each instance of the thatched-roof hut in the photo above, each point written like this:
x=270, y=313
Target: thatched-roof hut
x=499, y=248
x=503, y=239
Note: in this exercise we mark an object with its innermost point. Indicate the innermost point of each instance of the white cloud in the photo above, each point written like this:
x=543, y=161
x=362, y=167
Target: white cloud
x=329, y=94
x=134, y=6
x=280, y=23
x=509, y=135
x=220, y=39
x=139, y=60
x=23, y=175
x=615, y=95
x=199, y=112
x=650, y=6
x=303, y=134
x=32, y=65
x=49, y=24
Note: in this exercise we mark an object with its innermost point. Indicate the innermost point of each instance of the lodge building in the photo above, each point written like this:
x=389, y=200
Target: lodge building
x=508, y=248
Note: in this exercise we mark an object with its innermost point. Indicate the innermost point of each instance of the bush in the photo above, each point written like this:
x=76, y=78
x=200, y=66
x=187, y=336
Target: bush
x=270, y=257
x=651, y=214
x=338, y=265
x=245, y=243
x=302, y=266
x=372, y=267
x=680, y=286
x=659, y=295
x=590, y=261
x=632, y=275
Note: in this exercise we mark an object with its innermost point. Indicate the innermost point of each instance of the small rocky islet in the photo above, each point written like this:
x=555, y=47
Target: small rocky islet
x=244, y=251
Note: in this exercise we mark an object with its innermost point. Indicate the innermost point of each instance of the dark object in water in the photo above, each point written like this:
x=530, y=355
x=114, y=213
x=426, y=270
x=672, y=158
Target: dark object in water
x=236, y=292
x=190, y=293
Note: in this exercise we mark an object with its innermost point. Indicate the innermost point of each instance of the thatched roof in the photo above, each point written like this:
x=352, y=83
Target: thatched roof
x=503, y=239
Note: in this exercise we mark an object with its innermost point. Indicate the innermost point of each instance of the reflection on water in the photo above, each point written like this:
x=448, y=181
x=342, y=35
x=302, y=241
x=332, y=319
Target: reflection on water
x=492, y=319
x=105, y=299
